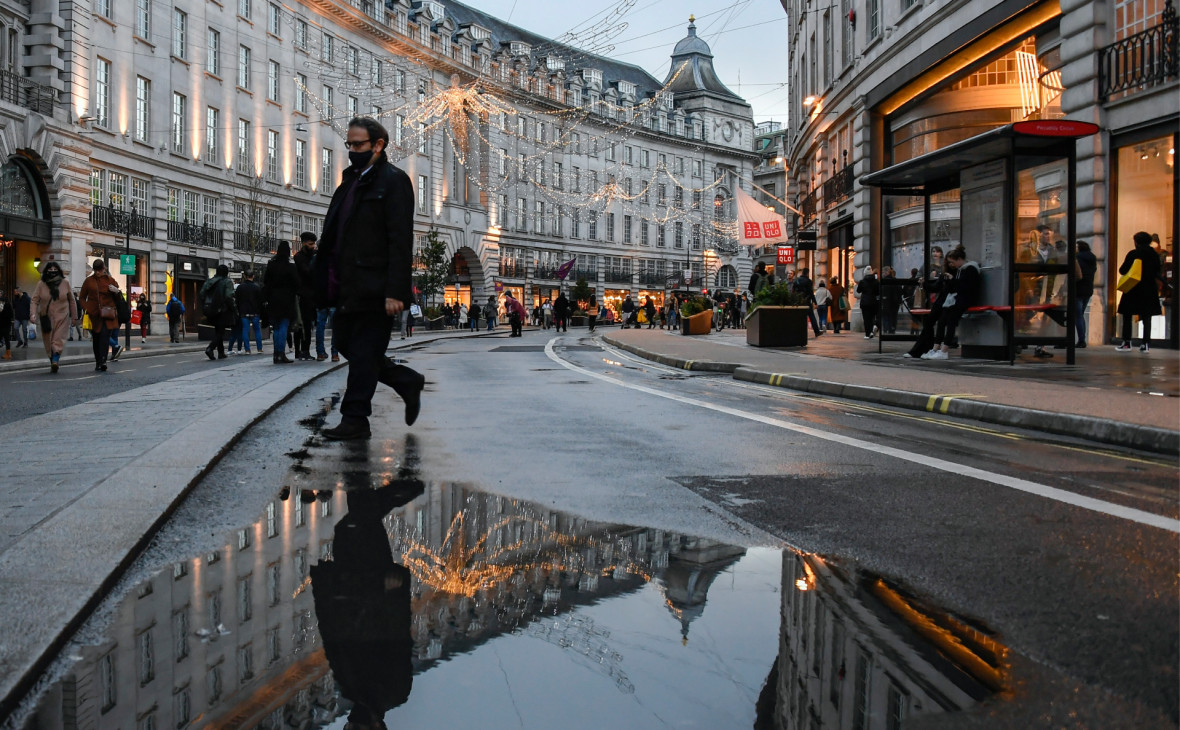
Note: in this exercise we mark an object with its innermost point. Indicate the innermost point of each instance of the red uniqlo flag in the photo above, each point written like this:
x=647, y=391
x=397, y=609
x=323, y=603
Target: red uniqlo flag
x=752, y=230
x=786, y=255
x=772, y=229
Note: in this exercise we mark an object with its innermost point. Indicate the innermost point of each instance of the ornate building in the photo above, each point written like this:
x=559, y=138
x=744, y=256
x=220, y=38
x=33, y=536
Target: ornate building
x=190, y=134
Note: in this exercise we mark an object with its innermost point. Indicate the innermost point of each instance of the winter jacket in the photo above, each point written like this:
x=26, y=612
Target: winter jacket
x=868, y=290
x=963, y=289
x=248, y=297
x=1088, y=263
x=228, y=314
x=304, y=261
x=279, y=287
x=22, y=308
x=175, y=309
x=96, y=294
x=56, y=309
x=1144, y=299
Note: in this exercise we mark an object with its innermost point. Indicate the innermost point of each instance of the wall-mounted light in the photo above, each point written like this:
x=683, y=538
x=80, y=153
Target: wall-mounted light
x=809, y=101
x=37, y=263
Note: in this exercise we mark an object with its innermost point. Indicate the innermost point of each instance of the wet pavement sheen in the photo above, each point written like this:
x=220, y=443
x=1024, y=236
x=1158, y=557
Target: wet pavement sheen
x=385, y=597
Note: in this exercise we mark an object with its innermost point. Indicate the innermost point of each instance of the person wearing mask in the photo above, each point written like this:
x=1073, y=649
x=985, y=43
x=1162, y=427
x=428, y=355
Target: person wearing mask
x=144, y=307
x=98, y=300
x=868, y=291
x=306, y=293
x=838, y=312
x=53, y=302
x=1143, y=299
x=960, y=292
x=21, y=308
x=370, y=221
x=248, y=298
x=1085, y=267
x=280, y=286
x=175, y=314
x=217, y=298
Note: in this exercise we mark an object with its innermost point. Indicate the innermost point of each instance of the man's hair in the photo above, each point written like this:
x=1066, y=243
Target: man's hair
x=307, y=236
x=249, y=274
x=1083, y=246
x=372, y=126
x=98, y=265
x=1044, y=227
x=1143, y=238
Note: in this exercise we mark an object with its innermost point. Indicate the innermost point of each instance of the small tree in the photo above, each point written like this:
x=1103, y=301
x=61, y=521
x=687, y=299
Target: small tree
x=581, y=292
x=433, y=267
x=253, y=236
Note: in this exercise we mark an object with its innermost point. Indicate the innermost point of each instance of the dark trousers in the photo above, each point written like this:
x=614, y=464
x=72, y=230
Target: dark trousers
x=517, y=325
x=869, y=314
x=100, y=341
x=944, y=329
x=362, y=337
x=814, y=321
x=307, y=313
x=593, y=321
x=218, y=342
x=926, y=339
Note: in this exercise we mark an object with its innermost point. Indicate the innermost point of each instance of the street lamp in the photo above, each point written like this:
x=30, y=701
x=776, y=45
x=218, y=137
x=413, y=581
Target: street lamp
x=123, y=221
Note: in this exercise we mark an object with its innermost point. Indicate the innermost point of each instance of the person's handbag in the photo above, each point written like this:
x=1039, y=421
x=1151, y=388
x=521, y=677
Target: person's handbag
x=842, y=303
x=415, y=310
x=1133, y=276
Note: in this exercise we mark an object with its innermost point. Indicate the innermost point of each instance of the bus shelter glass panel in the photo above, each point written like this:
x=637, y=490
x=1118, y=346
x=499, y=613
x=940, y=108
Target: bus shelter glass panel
x=1042, y=285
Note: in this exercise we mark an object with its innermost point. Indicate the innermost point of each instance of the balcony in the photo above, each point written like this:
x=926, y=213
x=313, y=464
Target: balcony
x=807, y=206
x=587, y=273
x=255, y=243
x=29, y=94
x=512, y=269
x=838, y=188
x=194, y=235
x=1148, y=58
x=618, y=276
x=545, y=271
x=652, y=278
x=111, y=219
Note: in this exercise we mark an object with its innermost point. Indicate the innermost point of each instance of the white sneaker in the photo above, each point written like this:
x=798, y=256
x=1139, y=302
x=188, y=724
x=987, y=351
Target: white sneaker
x=940, y=355
x=1125, y=347
x=929, y=355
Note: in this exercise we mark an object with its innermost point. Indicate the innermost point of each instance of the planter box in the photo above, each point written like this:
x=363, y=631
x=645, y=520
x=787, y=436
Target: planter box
x=777, y=327
x=579, y=322
x=437, y=323
x=700, y=323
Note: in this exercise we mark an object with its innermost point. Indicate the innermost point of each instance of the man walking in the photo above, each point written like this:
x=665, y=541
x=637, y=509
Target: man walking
x=248, y=297
x=21, y=311
x=217, y=304
x=804, y=286
x=370, y=221
x=307, y=308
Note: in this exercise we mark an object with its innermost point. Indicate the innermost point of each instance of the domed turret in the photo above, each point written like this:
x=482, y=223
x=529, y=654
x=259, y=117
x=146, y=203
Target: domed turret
x=692, y=67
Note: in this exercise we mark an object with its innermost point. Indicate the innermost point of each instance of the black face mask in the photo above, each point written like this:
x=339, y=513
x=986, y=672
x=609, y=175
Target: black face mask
x=360, y=160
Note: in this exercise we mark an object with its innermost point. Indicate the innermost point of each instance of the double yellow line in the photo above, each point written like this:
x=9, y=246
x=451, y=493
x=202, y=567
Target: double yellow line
x=933, y=403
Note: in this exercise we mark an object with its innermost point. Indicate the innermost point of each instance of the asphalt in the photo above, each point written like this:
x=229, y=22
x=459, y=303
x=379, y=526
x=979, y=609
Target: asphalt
x=86, y=496
x=1123, y=399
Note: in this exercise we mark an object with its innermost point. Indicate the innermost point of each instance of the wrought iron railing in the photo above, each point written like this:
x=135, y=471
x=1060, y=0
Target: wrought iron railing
x=618, y=276
x=838, y=187
x=589, y=274
x=512, y=269
x=194, y=235
x=18, y=90
x=255, y=243
x=807, y=206
x=109, y=218
x=545, y=271
x=1148, y=58
x=652, y=278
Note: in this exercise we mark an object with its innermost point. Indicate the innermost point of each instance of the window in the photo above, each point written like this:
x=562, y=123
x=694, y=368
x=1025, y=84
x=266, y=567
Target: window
x=140, y=192
x=592, y=225
x=423, y=147
x=327, y=49
x=354, y=64
x=696, y=236
x=244, y=67
x=272, y=155
x=399, y=126
x=103, y=8
x=143, y=18
x=353, y=107
x=644, y=235
x=610, y=152
x=628, y=155
x=180, y=645
x=300, y=163
x=108, y=680
x=610, y=227
x=399, y=81
x=272, y=19
x=213, y=52
x=182, y=706
x=644, y=159
x=502, y=217
x=576, y=223
x=244, y=146
x=698, y=168
x=678, y=235
x=327, y=173
x=117, y=191
x=557, y=175
x=521, y=207
x=245, y=598
x=147, y=657
x=179, y=103
x=326, y=98
x=272, y=80
x=273, y=584
x=626, y=229
x=828, y=48
x=577, y=181
x=179, y=32
x=209, y=220
x=661, y=235
x=212, y=132
x=245, y=663
x=538, y=216
x=301, y=93
x=102, y=93
x=301, y=34
x=143, y=107
x=244, y=8
x=213, y=683
x=874, y=29
x=848, y=33
x=423, y=193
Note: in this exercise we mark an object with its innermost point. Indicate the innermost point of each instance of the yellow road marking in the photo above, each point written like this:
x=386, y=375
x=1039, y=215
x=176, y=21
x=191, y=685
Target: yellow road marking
x=946, y=398
x=688, y=364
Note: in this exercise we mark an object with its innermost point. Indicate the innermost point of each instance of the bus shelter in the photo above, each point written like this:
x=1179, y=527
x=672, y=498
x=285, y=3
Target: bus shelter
x=1007, y=195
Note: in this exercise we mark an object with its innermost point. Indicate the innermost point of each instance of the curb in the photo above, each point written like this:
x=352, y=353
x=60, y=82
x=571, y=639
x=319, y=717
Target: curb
x=1091, y=428
x=13, y=366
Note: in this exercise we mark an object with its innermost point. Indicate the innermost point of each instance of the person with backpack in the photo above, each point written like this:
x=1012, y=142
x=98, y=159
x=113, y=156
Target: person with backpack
x=175, y=314
x=217, y=304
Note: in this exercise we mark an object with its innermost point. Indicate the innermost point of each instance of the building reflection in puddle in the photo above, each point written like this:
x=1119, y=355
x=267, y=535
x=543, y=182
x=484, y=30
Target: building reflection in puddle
x=424, y=604
x=856, y=652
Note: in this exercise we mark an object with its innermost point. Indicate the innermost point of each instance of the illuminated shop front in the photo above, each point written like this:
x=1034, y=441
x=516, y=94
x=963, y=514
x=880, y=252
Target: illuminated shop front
x=24, y=228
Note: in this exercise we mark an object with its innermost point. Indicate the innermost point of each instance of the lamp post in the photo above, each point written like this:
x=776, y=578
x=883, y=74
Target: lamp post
x=123, y=220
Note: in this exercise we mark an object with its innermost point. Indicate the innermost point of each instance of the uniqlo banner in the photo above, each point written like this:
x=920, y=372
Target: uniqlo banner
x=757, y=224
x=786, y=254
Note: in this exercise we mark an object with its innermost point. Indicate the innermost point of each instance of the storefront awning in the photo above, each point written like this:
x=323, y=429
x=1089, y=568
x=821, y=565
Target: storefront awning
x=939, y=170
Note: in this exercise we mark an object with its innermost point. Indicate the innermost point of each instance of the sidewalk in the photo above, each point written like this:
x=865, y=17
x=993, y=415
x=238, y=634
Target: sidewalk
x=70, y=526
x=33, y=357
x=1127, y=399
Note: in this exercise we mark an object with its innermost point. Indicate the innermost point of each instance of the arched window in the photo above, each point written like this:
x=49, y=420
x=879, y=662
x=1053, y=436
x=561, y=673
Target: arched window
x=726, y=278
x=19, y=193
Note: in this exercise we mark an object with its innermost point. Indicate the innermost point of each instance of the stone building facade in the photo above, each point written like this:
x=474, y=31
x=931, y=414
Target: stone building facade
x=191, y=133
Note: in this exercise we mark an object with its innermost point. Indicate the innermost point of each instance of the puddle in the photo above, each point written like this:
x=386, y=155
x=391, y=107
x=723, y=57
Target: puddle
x=380, y=596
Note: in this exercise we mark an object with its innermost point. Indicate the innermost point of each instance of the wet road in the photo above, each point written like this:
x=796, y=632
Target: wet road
x=595, y=538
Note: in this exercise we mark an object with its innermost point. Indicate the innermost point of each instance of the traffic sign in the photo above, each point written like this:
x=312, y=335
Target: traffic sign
x=786, y=254
x=127, y=264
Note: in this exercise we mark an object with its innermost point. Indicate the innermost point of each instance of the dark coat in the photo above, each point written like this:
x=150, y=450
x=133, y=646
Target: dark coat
x=22, y=307
x=5, y=316
x=303, y=266
x=561, y=306
x=1144, y=299
x=1088, y=263
x=248, y=296
x=279, y=288
x=369, y=250
x=869, y=289
x=965, y=286
x=229, y=314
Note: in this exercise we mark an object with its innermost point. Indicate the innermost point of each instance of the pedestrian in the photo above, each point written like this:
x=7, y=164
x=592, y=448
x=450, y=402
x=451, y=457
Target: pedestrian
x=6, y=324
x=463, y=314
x=248, y=298
x=891, y=296
x=804, y=286
x=144, y=307
x=912, y=296
x=280, y=287
x=758, y=280
x=234, y=328
x=516, y=314
x=1143, y=299
x=961, y=291
x=823, y=300
x=175, y=314
x=868, y=291
x=306, y=295
x=21, y=309
x=217, y=302
x=744, y=303
x=649, y=311
x=1085, y=267
x=98, y=300
x=628, y=311
x=76, y=325
x=561, y=313
x=370, y=220
x=473, y=316
x=489, y=312
x=838, y=314
x=53, y=302
x=546, y=314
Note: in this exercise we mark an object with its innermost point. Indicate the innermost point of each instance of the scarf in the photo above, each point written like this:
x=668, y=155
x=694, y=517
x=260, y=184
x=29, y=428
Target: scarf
x=53, y=279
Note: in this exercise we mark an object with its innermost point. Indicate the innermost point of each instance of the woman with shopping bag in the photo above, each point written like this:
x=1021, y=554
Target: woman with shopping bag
x=98, y=299
x=1141, y=298
x=53, y=301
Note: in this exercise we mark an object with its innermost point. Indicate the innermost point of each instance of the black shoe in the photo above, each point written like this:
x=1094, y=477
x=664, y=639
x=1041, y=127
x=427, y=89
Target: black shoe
x=1042, y=353
x=281, y=358
x=407, y=384
x=347, y=431
x=103, y=367
x=209, y=353
x=115, y=355
x=221, y=356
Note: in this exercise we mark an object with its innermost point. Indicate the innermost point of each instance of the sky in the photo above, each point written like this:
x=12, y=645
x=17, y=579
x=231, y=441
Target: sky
x=748, y=37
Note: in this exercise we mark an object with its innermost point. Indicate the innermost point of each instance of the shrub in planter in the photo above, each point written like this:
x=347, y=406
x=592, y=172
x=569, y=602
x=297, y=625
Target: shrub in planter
x=696, y=316
x=779, y=318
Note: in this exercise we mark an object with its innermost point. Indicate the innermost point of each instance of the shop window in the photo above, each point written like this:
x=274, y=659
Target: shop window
x=1144, y=201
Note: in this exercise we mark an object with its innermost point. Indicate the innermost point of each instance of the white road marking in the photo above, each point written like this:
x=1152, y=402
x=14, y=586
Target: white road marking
x=1022, y=485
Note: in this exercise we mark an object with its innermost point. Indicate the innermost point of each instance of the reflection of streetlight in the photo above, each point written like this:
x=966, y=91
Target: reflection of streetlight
x=809, y=101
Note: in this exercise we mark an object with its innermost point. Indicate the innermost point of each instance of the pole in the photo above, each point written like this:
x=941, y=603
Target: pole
x=127, y=251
